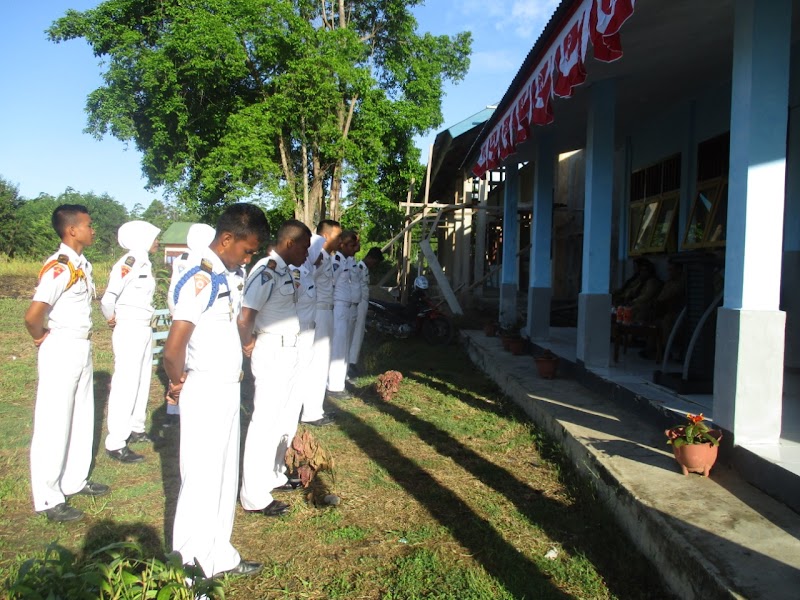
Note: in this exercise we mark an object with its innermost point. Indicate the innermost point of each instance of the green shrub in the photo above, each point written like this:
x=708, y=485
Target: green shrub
x=117, y=571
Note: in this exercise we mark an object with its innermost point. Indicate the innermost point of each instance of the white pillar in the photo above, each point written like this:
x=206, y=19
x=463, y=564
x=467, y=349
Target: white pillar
x=748, y=373
x=594, y=301
x=540, y=289
x=480, y=235
x=509, y=273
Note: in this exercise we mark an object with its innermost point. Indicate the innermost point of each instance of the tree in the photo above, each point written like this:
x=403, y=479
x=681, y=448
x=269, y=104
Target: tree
x=10, y=201
x=268, y=100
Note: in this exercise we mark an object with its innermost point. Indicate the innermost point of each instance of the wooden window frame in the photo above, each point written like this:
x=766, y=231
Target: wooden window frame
x=717, y=188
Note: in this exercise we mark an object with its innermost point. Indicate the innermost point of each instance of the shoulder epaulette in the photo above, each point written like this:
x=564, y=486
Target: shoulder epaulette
x=56, y=266
x=130, y=261
x=271, y=264
x=205, y=265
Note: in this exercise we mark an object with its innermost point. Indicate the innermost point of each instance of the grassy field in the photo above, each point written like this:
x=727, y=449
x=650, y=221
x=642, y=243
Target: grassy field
x=447, y=492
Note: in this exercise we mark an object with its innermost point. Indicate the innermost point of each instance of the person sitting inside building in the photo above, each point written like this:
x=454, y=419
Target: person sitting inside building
x=624, y=295
x=643, y=304
x=666, y=307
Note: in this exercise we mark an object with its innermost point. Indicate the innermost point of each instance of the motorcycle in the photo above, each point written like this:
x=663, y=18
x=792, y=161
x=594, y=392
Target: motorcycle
x=420, y=316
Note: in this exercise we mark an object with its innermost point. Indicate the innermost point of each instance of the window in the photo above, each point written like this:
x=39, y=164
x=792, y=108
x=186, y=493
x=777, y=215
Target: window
x=708, y=216
x=654, y=207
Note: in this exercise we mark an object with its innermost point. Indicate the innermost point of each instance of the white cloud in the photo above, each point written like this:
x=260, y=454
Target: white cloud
x=495, y=61
x=524, y=18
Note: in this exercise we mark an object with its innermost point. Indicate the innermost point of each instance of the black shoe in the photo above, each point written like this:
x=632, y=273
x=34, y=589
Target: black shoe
x=339, y=395
x=61, y=513
x=139, y=437
x=290, y=486
x=276, y=508
x=171, y=421
x=325, y=420
x=124, y=455
x=92, y=488
x=245, y=567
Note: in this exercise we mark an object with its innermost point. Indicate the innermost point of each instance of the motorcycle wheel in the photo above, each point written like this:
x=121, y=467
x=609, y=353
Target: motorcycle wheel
x=437, y=331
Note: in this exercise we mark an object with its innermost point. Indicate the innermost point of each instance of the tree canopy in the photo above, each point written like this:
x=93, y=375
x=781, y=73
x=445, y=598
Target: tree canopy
x=272, y=100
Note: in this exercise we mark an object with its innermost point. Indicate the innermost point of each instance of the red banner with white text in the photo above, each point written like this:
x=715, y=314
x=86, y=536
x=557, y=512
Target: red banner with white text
x=560, y=69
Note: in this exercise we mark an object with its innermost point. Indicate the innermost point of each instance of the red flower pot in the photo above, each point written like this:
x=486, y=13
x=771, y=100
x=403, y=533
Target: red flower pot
x=695, y=458
x=516, y=346
x=546, y=366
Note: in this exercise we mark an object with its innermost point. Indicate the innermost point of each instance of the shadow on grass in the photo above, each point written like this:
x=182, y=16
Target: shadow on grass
x=101, y=389
x=519, y=575
x=165, y=433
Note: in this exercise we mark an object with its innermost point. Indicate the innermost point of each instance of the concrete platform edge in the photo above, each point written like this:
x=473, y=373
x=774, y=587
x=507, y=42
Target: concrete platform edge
x=686, y=572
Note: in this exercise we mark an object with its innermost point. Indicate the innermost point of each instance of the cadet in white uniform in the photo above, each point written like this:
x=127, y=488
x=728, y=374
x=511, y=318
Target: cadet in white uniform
x=329, y=232
x=343, y=313
x=198, y=239
x=63, y=422
x=203, y=360
x=127, y=305
x=270, y=327
x=373, y=257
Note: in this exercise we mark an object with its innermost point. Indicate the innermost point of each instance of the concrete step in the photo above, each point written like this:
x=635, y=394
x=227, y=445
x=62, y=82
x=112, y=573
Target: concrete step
x=718, y=537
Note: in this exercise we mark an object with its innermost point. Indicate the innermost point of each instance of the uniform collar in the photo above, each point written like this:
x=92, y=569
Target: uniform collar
x=216, y=262
x=281, y=265
x=143, y=257
x=78, y=259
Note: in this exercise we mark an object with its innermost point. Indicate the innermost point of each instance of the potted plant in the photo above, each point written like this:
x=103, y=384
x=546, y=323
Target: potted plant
x=694, y=445
x=490, y=329
x=509, y=334
x=546, y=364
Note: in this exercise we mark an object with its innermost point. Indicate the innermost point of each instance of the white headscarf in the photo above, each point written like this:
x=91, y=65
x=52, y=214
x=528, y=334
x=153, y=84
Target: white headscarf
x=199, y=237
x=137, y=236
x=314, y=250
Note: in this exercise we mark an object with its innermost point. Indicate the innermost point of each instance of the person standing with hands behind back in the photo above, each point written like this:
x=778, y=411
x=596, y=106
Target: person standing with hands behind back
x=63, y=422
x=203, y=360
x=127, y=305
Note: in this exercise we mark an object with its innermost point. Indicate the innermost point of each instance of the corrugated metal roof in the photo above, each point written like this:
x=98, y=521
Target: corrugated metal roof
x=562, y=12
x=176, y=233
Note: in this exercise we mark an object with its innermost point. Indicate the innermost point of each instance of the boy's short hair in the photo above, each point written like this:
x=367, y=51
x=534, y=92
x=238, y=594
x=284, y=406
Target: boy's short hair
x=375, y=254
x=348, y=234
x=65, y=215
x=325, y=225
x=242, y=220
x=292, y=229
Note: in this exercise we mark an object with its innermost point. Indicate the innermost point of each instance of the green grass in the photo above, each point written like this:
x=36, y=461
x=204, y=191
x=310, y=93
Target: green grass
x=447, y=492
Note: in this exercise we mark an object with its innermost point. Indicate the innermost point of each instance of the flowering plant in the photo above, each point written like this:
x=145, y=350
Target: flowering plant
x=388, y=384
x=694, y=432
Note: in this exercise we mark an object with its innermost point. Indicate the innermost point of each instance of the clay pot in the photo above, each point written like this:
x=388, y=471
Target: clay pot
x=695, y=458
x=490, y=329
x=506, y=341
x=517, y=346
x=546, y=365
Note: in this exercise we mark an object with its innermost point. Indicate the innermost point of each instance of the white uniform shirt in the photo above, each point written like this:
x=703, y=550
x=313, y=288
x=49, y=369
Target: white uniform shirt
x=363, y=279
x=71, y=309
x=355, y=282
x=341, y=278
x=306, y=297
x=323, y=279
x=131, y=284
x=215, y=347
x=271, y=290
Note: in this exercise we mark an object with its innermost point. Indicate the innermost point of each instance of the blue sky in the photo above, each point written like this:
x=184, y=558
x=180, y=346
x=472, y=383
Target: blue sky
x=45, y=85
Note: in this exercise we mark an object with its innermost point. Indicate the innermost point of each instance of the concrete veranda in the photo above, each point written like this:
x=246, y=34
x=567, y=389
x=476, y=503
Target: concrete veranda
x=712, y=538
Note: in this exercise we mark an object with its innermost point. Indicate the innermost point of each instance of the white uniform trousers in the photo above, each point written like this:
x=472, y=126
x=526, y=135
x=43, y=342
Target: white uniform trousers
x=63, y=422
x=264, y=467
x=209, y=459
x=358, y=331
x=317, y=371
x=301, y=382
x=130, y=385
x=343, y=322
